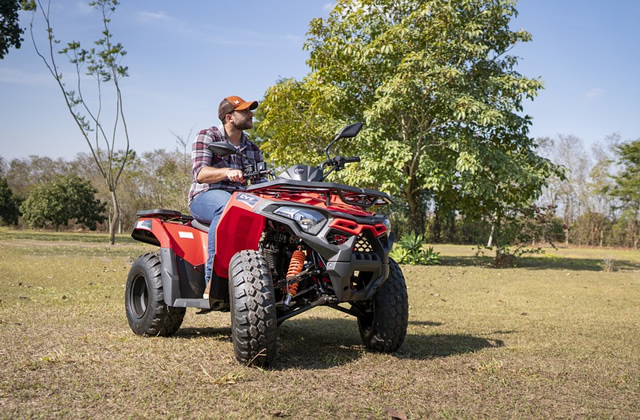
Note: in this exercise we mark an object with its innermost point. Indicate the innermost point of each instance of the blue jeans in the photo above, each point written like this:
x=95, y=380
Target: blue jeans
x=207, y=207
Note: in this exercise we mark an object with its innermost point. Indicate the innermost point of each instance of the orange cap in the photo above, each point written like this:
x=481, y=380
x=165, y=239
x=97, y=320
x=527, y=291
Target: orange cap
x=234, y=103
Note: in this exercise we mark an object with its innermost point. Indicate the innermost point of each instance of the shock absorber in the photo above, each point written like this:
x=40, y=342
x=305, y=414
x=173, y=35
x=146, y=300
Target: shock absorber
x=295, y=267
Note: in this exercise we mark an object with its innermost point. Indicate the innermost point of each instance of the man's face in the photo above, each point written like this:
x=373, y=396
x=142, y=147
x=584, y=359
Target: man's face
x=242, y=120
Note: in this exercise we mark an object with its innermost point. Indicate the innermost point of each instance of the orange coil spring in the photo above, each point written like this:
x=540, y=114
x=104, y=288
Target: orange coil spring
x=295, y=268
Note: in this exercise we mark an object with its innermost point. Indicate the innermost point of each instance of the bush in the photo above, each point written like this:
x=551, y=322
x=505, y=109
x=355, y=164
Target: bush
x=9, y=205
x=66, y=198
x=409, y=250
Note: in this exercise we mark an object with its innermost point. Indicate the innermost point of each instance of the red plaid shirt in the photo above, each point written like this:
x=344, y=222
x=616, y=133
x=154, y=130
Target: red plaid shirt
x=201, y=156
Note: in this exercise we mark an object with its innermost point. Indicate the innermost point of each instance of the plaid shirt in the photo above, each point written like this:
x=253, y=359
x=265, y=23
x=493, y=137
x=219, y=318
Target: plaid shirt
x=201, y=156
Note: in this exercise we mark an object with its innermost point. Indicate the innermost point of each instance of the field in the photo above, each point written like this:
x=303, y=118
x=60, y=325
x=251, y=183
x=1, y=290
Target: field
x=557, y=336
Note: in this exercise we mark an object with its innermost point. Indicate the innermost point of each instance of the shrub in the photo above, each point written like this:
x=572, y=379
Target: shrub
x=410, y=250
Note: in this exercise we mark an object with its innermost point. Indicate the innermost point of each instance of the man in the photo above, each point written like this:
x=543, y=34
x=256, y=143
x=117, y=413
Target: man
x=216, y=178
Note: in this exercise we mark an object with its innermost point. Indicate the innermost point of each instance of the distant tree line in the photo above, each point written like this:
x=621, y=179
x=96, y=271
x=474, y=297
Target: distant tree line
x=596, y=202
x=58, y=194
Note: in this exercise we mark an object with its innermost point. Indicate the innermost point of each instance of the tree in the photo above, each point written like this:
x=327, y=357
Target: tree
x=67, y=198
x=9, y=205
x=10, y=30
x=25, y=173
x=103, y=65
x=627, y=188
x=440, y=97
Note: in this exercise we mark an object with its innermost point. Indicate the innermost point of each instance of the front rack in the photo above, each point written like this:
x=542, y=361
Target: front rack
x=361, y=197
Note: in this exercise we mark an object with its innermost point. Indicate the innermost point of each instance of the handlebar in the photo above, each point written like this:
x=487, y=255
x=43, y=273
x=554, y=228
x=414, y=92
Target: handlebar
x=339, y=161
x=257, y=171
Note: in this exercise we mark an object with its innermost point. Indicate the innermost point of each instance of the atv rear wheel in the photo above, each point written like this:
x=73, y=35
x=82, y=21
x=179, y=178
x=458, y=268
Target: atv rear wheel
x=254, y=328
x=384, y=327
x=147, y=312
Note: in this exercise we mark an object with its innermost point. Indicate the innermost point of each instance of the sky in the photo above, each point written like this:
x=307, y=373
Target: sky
x=184, y=57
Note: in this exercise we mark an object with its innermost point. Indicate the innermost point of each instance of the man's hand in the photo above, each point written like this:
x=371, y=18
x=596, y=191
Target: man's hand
x=235, y=175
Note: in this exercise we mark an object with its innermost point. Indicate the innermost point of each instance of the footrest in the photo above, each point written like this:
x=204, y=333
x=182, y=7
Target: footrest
x=192, y=303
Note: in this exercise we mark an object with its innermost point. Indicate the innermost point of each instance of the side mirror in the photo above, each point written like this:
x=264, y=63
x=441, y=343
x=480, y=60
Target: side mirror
x=222, y=149
x=351, y=130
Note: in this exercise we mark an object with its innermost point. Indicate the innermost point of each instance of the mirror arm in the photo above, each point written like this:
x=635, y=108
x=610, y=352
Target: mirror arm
x=326, y=149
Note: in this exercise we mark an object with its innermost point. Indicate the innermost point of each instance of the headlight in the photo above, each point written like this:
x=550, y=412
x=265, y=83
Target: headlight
x=310, y=221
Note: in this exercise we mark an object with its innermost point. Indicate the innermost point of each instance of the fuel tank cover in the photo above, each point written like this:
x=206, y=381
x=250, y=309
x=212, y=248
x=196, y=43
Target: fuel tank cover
x=302, y=173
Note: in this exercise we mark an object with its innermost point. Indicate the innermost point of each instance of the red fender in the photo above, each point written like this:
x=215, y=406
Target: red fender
x=187, y=242
x=239, y=229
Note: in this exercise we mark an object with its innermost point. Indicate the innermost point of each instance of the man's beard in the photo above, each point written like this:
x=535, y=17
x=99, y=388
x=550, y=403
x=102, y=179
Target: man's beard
x=244, y=124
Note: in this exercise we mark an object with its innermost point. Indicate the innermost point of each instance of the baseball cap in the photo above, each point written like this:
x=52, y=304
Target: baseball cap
x=234, y=103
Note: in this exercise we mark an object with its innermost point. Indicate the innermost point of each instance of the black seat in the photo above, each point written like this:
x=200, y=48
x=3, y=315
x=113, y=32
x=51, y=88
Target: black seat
x=200, y=225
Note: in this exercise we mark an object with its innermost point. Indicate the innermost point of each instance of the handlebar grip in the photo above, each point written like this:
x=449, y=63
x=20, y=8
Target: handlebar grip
x=352, y=159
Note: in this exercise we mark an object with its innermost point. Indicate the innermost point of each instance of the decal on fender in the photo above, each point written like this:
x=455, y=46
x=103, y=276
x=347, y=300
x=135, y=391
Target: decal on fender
x=248, y=199
x=185, y=235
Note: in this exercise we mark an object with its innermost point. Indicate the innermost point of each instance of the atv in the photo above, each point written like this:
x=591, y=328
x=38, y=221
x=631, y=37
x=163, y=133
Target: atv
x=283, y=247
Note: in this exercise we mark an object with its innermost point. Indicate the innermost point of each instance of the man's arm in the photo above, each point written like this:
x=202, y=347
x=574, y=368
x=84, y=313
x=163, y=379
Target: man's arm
x=211, y=175
x=201, y=158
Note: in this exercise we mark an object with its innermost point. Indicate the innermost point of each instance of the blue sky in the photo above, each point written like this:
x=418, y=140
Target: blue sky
x=183, y=57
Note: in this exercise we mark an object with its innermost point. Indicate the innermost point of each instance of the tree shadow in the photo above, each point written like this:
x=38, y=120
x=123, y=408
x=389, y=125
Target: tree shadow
x=543, y=263
x=468, y=261
x=577, y=264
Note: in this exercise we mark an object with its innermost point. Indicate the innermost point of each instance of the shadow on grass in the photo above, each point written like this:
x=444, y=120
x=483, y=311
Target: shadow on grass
x=326, y=343
x=574, y=264
x=543, y=263
x=222, y=334
x=323, y=343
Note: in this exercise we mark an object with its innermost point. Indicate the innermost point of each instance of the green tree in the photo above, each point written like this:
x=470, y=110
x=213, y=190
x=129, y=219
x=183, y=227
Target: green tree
x=627, y=188
x=102, y=63
x=10, y=30
x=440, y=96
x=25, y=173
x=67, y=198
x=9, y=205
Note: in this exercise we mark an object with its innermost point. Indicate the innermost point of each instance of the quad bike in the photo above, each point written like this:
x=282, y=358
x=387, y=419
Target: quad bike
x=282, y=247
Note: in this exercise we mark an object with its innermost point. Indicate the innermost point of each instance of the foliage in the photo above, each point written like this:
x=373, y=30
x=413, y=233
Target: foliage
x=410, y=250
x=9, y=205
x=591, y=228
x=102, y=64
x=10, y=30
x=438, y=92
x=26, y=173
x=627, y=183
x=519, y=232
x=66, y=198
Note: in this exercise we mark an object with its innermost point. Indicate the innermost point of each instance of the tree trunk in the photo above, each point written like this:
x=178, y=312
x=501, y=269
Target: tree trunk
x=416, y=213
x=113, y=223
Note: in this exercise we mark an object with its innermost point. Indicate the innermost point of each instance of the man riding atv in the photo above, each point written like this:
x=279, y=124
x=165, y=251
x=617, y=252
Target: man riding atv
x=215, y=177
x=284, y=246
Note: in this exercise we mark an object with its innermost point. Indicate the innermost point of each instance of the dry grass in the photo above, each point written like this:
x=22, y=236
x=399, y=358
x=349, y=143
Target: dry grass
x=555, y=337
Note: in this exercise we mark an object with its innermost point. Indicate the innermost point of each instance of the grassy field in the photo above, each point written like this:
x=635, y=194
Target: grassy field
x=558, y=336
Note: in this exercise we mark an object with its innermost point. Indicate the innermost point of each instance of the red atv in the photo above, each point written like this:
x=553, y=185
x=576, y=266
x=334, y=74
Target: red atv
x=283, y=247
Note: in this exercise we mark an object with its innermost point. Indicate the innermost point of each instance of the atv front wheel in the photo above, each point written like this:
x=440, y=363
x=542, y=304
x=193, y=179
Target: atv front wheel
x=254, y=327
x=144, y=299
x=384, y=326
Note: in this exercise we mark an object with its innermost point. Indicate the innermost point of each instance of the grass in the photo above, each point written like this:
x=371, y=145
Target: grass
x=555, y=337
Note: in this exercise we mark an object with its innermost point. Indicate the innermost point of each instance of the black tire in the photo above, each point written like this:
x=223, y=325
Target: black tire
x=254, y=327
x=384, y=327
x=147, y=312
